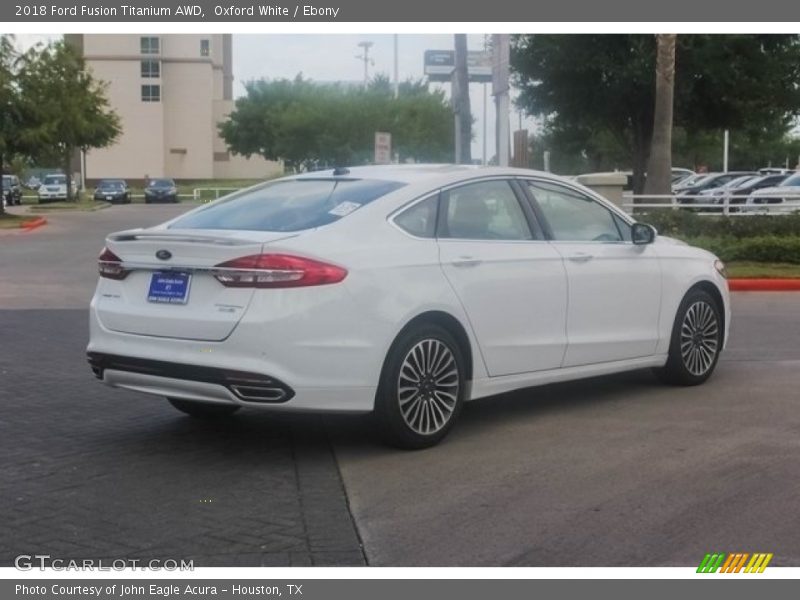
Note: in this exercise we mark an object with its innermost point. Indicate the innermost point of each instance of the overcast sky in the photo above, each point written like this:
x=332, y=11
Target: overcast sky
x=332, y=57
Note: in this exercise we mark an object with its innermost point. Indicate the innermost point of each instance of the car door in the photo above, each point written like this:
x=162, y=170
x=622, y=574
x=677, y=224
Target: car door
x=511, y=282
x=614, y=285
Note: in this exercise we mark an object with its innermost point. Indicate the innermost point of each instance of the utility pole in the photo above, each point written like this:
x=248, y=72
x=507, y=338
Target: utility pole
x=461, y=108
x=726, y=143
x=500, y=66
x=365, y=57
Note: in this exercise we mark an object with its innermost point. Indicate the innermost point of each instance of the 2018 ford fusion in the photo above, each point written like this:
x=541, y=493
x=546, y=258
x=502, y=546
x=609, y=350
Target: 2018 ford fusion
x=401, y=290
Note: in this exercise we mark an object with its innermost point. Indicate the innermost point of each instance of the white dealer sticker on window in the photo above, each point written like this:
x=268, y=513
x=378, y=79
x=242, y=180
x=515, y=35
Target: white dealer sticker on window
x=343, y=209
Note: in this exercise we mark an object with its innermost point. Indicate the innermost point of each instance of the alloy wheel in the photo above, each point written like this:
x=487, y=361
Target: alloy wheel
x=428, y=386
x=699, y=338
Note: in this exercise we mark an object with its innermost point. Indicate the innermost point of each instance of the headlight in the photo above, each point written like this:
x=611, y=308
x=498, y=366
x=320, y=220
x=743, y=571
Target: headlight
x=720, y=267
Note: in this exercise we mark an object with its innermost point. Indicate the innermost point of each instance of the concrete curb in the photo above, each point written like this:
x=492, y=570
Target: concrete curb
x=32, y=224
x=764, y=285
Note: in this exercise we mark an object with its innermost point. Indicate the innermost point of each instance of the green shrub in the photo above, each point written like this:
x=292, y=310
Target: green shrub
x=765, y=248
x=683, y=223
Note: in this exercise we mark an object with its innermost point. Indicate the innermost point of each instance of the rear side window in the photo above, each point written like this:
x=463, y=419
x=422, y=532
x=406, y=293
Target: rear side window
x=488, y=210
x=420, y=219
x=291, y=205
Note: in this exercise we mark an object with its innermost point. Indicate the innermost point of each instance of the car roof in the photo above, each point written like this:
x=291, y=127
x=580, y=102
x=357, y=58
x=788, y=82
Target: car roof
x=421, y=173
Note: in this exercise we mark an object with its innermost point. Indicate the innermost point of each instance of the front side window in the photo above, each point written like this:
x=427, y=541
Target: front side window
x=151, y=93
x=289, y=205
x=150, y=45
x=488, y=210
x=574, y=217
x=151, y=68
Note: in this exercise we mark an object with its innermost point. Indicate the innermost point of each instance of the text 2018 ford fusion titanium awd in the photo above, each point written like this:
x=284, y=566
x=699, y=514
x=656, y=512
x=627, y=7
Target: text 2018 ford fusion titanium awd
x=401, y=290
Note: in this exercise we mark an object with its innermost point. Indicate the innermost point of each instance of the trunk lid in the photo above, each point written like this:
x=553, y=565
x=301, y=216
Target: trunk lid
x=210, y=311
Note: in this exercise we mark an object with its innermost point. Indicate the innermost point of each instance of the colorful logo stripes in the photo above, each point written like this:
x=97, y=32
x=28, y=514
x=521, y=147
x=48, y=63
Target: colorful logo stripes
x=734, y=562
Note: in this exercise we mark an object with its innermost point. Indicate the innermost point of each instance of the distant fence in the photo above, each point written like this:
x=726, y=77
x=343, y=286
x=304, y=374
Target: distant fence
x=774, y=204
x=207, y=194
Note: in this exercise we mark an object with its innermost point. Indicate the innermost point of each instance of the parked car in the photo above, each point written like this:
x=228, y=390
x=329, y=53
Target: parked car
x=776, y=171
x=688, y=182
x=719, y=195
x=53, y=188
x=740, y=194
x=12, y=191
x=712, y=180
x=783, y=198
x=113, y=190
x=161, y=190
x=401, y=290
x=680, y=175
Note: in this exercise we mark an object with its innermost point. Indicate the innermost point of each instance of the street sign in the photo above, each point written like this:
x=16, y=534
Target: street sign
x=439, y=65
x=383, y=148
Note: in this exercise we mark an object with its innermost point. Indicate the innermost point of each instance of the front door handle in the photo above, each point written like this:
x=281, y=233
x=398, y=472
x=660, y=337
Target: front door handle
x=466, y=261
x=581, y=257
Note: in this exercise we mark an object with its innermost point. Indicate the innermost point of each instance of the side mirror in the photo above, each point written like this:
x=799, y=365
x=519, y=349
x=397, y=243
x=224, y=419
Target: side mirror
x=642, y=233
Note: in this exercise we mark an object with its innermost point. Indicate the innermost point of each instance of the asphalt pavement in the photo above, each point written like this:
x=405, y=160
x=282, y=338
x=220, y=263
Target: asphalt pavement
x=615, y=471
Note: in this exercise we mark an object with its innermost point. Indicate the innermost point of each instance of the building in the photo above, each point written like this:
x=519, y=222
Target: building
x=170, y=92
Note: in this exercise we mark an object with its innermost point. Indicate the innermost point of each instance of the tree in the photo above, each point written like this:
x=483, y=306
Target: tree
x=310, y=125
x=9, y=107
x=595, y=83
x=659, y=165
x=67, y=108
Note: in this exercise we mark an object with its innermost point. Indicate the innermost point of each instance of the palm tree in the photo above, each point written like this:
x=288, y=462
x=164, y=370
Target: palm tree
x=659, y=165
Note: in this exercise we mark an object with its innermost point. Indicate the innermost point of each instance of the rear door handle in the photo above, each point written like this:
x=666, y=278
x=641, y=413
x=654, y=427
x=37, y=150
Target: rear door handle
x=466, y=261
x=581, y=257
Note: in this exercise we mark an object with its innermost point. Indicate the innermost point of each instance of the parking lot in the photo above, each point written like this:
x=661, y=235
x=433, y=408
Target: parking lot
x=616, y=471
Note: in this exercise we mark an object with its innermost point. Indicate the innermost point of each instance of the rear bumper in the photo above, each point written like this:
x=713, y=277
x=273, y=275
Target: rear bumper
x=321, y=371
x=339, y=400
x=244, y=385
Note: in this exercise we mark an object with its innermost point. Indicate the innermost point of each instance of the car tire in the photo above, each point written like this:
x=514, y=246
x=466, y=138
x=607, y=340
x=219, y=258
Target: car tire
x=696, y=341
x=420, y=414
x=203, y=410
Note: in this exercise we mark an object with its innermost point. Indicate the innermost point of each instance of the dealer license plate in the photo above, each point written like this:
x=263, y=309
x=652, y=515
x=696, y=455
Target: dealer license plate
x=169, y=287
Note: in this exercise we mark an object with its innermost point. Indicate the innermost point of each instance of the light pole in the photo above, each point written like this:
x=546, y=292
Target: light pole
x=396, y=68
x=365, y=57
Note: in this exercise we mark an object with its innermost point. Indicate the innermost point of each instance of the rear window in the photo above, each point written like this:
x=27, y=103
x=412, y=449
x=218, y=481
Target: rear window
x=291, y=205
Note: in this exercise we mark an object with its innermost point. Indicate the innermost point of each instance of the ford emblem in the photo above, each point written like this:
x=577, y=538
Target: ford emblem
x=163, y=255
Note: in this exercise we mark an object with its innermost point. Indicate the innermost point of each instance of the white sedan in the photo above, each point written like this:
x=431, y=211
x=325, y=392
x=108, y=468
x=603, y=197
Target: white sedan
x=400, y=290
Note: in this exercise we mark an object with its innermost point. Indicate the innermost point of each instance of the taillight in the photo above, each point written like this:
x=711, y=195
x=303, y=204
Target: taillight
x=277, y=271
x=109, y=265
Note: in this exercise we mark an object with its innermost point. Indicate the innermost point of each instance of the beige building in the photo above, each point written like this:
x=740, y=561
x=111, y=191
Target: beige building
x=170, y=92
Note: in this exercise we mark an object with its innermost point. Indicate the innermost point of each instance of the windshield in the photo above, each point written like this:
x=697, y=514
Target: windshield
x=739, y=181
x=793, y=181
x=694, y=180
x=55, y=180
x=162, y=183
x=289, y=205
x=111, y=185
